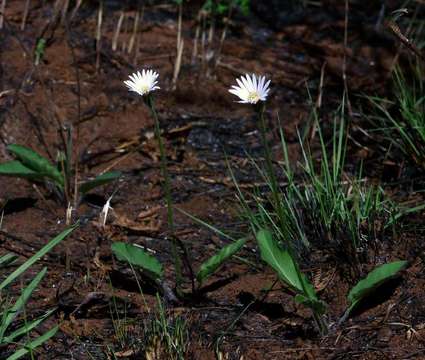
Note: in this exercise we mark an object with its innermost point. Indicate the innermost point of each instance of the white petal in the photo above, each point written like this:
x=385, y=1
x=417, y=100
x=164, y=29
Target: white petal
x=245, y=82
x=254, y=82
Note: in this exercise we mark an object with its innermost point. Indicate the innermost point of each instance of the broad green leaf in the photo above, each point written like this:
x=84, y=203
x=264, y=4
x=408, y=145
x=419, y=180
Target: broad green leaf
x=27, y=328
x=99, y=181
x=37, y=163
x=373, y=280
x=138, y=257
x=13, y=311
x=39, y=254
x=17, y=169
x=281, y=261
x=213, y=263
x=34, y=344
x=7, y=259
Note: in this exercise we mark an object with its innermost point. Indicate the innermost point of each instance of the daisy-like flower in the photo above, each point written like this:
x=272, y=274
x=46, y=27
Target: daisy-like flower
x=251, y=89
x=143, y=82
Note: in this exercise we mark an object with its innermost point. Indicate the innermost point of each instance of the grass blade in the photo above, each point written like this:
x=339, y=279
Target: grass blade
x=34, y=344
x=7, y=259
x=20, y=302
x=27, y=328
x=43, y=251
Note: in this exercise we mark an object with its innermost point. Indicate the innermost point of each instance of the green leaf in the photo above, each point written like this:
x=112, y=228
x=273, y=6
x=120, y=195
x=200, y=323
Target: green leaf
x=34, y=343
x=213, y=263
x=99, y=181
x=7, y=259
x=17, y=169
x=37, y=163
x=318, y=306
x=373, y=280
x=134, y=255
x=39, y=254
x=27, y=328
x=13, y=311
x=281, y=261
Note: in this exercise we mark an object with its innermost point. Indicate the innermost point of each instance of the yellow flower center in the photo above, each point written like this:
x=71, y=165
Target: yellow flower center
x=144, y=89
x=253, y=97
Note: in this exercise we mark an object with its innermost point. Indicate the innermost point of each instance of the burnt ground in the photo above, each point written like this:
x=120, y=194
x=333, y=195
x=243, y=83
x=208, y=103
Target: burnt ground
x=201, y=123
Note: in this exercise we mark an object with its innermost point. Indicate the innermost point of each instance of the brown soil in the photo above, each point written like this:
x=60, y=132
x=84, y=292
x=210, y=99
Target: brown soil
x=201, y=122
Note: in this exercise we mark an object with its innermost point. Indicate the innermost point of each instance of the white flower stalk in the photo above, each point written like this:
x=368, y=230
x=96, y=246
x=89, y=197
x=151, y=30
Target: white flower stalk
x=251, y=89
x=143, y=82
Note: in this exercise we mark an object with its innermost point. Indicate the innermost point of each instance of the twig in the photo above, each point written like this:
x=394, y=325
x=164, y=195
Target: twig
x=25, y=15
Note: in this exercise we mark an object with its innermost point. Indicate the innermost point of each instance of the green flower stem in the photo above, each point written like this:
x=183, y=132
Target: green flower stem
x=260, y=108
x=267, y=152
x=167, y=188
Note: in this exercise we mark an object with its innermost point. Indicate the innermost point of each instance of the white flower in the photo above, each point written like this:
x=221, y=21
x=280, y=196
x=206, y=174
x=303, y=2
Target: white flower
x=251, y=89
x=143, y=83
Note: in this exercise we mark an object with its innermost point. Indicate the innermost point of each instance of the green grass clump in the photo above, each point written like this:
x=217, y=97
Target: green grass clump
x=320, y=204
x=16, y=326
x=401, y=120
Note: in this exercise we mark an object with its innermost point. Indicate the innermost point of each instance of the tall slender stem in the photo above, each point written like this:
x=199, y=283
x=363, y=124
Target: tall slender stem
x=267, y=153
x=167, y=190
x=260, y=108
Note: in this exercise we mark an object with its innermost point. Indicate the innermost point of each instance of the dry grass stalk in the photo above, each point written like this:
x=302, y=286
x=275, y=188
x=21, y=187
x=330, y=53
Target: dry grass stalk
x=178, y=63
x=65, y=8
x=2, y=9
x=179, y=26
x=135, y=31
x=196, y=39
x=223, y=36
x=138, y=42
x=180, y=45
x=117, y=31
x=203, y=43
x=75, y=10
x=25, y=14
x=99, y=34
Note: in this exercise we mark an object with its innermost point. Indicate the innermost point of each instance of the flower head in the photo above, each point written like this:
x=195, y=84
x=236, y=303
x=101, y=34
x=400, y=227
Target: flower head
x=143, y=83
x=251, y=89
